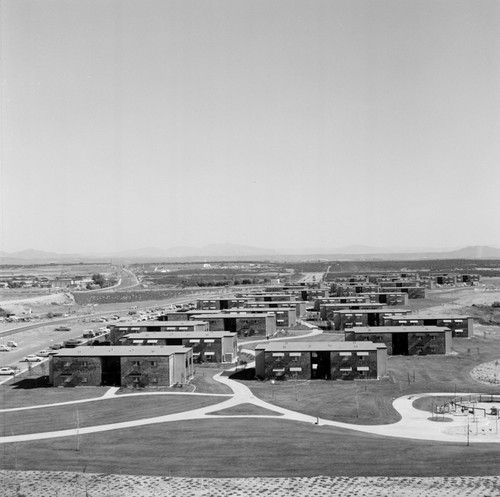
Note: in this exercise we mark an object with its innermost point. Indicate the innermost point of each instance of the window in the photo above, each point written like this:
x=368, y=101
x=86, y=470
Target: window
x=209, y=340
x=280, y=370
x=194, y=340
x=296, y=370
x=154, y=363
x=85, y=364
x=154, y=380
x=84, y=380
x=278, y=354
x=136, y=364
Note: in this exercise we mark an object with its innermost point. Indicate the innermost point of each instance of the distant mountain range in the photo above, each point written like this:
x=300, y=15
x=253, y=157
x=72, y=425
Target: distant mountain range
x=229, y=251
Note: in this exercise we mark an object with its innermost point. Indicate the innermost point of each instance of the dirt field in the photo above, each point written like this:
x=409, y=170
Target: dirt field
x=66, y=484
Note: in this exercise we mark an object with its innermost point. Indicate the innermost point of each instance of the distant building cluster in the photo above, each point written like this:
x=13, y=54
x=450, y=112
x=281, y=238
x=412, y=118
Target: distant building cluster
x=366, y=316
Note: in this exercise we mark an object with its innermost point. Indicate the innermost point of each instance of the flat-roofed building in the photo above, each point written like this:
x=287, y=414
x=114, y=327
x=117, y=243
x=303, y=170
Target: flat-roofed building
x=244, y=323
x=405, y=340
x=353, y=299
x=327, y=311
x=117, y=331
x=220, y=303
x=347, y=318
x=320, y=360
x=299, y=305
x=389, y=298
x=208, y=346
x=130, y=367
x=346, y=289
x=285, y=316
x=460, y=326
x=406, y=283
x=267, y=297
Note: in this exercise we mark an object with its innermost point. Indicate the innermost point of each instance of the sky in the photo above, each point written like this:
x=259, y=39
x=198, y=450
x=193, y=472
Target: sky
x=270, y=123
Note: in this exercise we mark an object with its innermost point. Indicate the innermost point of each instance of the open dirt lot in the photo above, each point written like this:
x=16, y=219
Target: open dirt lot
x=66, y=484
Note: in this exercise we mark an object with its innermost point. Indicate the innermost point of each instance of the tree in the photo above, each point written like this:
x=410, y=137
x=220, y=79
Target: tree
x=99, y=279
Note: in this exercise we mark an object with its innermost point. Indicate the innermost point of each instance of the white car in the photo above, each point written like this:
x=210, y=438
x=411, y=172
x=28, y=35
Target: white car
x=45, y=353
x=7, y=371
x=4, y=348
x=11, y=344
x=32, y=358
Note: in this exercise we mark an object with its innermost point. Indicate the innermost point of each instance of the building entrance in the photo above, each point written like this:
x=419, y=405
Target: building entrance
x=320, y=366
x=399, y=344
x=111, y=371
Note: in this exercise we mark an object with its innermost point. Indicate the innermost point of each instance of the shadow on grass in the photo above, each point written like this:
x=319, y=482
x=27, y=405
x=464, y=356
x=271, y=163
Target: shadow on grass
x=29, y=383
x=244, y=374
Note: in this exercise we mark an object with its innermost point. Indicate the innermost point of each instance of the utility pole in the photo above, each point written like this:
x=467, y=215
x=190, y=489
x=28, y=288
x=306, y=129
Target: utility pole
x=77, y=430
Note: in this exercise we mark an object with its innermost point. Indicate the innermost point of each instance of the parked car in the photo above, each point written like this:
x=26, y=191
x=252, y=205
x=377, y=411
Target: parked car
x=7, y=370
x=56, y=346
x=32, y=358
x=63, y=328
x=89, y=334
x=4, y=348
x=11, y=344
x=45, y=353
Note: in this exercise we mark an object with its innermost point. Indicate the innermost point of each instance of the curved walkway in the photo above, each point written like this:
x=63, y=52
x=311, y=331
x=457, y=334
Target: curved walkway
x=414, y=423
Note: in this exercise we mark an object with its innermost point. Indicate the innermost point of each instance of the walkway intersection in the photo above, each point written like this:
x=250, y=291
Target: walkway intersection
x=414, y=423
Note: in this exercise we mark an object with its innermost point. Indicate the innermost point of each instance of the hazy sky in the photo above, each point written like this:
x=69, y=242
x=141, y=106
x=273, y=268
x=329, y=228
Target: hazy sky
x=273, y=123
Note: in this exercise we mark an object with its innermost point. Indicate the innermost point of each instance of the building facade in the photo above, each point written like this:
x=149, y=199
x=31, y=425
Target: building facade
x=243, y=324
x=460, y=326
x=208, y=346
x=128, y=367
x=320, y=360
x=405, y=340
x=118, y=331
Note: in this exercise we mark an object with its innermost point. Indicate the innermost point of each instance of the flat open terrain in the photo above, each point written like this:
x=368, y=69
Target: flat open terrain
x=271, y=447
x=114, y=410
x=251, y=447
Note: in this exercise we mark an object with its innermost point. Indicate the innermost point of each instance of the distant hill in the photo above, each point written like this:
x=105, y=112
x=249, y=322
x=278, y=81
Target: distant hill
x=229, y=251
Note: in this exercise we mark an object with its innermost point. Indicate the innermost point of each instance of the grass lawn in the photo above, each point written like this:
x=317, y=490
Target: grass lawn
x=370, y=402
x=246, y=410
x=98, y=413
x=204, y=382
x=14, y=395
x=245, y=448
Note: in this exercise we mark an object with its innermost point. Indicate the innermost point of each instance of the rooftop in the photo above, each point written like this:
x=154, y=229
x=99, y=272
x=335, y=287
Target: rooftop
x=176, y=334
x=389, y=311
x=156, y=324
x=280, y=346
x=397, y=329
x=431, y=316
x=121, y=351
x=250, y=314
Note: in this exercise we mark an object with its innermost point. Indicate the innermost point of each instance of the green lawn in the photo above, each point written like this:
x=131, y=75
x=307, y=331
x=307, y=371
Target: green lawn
x=246, y=448
x=98, y=413
x=370, y=402
x=11, y=396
